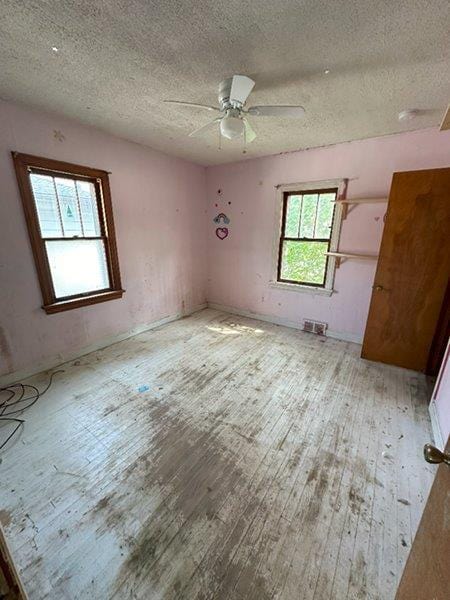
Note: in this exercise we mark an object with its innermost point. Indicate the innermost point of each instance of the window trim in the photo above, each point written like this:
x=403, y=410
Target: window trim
x=317, y=186
x=22, y=164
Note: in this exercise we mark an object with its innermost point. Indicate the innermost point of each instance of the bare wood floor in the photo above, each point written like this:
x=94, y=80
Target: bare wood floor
x=262, y=462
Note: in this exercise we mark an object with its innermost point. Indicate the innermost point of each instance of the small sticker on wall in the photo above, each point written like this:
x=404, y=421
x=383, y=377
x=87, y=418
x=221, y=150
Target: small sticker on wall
x=222, y=232
x=58, y=135
x=221, y=218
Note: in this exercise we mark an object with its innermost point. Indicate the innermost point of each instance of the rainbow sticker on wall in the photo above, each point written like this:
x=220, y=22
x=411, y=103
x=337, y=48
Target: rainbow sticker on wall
x=221, y=218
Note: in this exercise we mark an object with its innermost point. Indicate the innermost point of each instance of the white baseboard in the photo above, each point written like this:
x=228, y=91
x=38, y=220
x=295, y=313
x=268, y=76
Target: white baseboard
x=59, y=359
x=338, y=335
x=437, y=435
x=344, y=336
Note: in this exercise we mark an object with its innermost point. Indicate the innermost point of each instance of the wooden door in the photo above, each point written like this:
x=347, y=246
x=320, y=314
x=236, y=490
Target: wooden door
x=427, y=571
x=412, y=272
x=441, y=336
x=10, y=584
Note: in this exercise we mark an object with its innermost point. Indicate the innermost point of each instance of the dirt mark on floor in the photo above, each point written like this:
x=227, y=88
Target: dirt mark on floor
x=5, y=518
x=177, y=484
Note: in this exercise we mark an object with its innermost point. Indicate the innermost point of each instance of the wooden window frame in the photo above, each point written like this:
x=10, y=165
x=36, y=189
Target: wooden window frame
x=284, y=238
x=301, y=187
x=24, y=164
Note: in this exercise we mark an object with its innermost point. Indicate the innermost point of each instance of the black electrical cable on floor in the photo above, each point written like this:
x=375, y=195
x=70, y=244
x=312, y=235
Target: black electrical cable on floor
x=19, y=422
x=17, y=400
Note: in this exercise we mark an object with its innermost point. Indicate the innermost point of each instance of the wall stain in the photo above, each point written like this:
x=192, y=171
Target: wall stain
x=5, y=351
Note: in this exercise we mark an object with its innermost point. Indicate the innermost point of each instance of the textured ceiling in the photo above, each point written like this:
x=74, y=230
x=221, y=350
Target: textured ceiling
x=118, y=60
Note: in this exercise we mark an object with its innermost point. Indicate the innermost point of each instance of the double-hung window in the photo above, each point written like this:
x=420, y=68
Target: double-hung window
x=69, y=217
x=310, y=223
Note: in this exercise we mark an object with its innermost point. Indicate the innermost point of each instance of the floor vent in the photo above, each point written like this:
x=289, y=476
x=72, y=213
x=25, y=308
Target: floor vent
x=314, y=327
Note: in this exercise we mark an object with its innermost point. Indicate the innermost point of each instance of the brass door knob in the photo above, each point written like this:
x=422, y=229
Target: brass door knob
x=435, y=456
x=378, y=288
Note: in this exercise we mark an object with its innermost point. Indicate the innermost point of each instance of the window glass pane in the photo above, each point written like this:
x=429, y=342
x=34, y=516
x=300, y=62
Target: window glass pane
x=309, y=207
x=46, y=205
x=325, y=215
x=304, y=262
x=88, y=206
x=292, y=216
x=69, y=206
x=77, y=266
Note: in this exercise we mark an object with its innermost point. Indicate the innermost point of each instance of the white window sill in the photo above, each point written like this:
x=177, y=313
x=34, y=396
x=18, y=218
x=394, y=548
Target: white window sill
x=296, y=287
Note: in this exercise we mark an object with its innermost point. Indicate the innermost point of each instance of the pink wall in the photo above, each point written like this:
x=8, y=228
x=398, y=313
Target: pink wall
x=159, y=211
x=441, y=396
x=163, y=238
x=240, y=266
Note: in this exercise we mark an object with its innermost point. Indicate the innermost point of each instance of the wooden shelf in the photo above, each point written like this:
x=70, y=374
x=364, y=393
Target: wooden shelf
x=361, y=201
x=345, y=203
x=340, y=256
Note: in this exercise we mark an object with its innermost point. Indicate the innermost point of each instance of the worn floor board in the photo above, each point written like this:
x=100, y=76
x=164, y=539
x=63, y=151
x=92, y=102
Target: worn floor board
x=262, y=463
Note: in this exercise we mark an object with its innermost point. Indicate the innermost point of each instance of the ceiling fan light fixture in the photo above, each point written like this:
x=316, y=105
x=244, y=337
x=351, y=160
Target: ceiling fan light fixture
x=408, y=114
x=231, y=127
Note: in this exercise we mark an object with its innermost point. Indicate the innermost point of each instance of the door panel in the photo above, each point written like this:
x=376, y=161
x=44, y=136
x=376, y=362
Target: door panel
x=427, y=571
x=10, y=585
x=412, y=271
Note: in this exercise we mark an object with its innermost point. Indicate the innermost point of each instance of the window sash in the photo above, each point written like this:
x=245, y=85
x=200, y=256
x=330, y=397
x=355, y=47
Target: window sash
x=297, y=281
x=284, y=238
x=73, y=238
x=289, y=239
x=98, y=216
x=88, y=292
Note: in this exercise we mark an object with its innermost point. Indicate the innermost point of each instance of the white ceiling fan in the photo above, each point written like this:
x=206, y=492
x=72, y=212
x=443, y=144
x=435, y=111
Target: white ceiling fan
x=233, y=122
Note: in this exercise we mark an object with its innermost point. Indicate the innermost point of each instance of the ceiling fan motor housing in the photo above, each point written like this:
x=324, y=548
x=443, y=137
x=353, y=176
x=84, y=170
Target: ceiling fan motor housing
x=224, y=95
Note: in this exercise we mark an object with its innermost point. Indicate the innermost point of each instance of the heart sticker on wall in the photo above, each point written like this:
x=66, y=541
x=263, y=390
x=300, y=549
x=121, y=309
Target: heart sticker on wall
x=222, y=232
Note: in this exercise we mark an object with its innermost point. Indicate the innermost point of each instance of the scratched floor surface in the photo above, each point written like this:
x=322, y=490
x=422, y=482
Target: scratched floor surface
x=261, y=462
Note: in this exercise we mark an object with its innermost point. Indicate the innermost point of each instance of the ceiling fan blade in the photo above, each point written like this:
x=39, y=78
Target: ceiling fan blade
x=195, y=104
x=204, y=128
x=276, y=111
x=249, y=132
x=241, y=86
